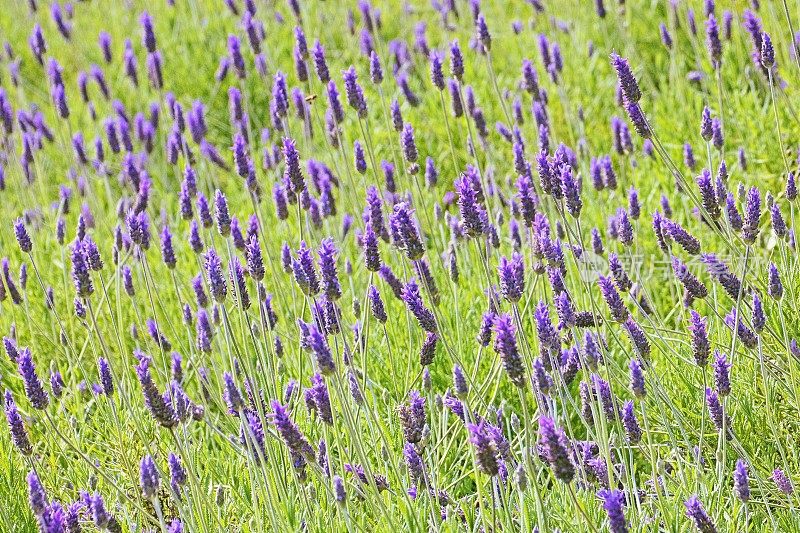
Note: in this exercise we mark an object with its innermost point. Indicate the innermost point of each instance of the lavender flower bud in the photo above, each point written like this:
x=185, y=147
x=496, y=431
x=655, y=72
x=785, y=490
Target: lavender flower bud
x=505, y=345
x=699, y=336
x=717, y=413
x=512, y=277
x=628, y=83
x=752, y=213
x=149, y=478
x=413, y=299
x=19, y=435
x=678, y=234
x=376, y=304
x=23, y=239
x=697, y=514
x=327, y=264
x=722, y=379
x=36, y=494
x=408, y=144
x=34, y=389
x=615, y=304
x=745, y=334
x=485, y=450
x=555, y=445
x=613, y=502
x=783, y=483
x=774, y=285
x=741, y=481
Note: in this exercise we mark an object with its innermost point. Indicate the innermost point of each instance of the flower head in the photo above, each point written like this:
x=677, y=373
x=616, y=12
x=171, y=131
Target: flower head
x=555, y=448
x=505, y=344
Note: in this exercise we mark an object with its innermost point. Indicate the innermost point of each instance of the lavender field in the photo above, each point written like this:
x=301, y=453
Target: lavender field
x=429, y=265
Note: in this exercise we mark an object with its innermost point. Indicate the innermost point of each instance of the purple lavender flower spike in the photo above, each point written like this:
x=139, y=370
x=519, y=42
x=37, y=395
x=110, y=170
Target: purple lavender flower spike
x=717, y=413
x=289, y=432
x=34, y=389
x=597, y=242
x=612, y=298
x=408, y=143
x=161, y=411
x=469, y=208
x=413, y=417
x=355, y=95
x=565, y=310
x=19, y=435
x=633, y=432
x=505, y=344
x=697, y=514
x=546, y=333
x=456, y=61
x=688, y=156
x=708, y=195
x=603, y=390
x=23, y=238
x=759, y=318
x=177, y=472
x=411, y=296
x=388, y=276
x=700, y=344
x=407, y=234
x=613, y=503
x=318, y=399
x=791, y=187
x=322, y=352
x=734, y=218
x=512, y=277
x=746, y=335
x=666, y=38
x=637, y=379
x=204, y=333
x=705, y=124
x=752, y=213
x=782, y=481
x=377, y=305
x=571, y=191
x=485, y=449
x=437, y=73
x=233, y=398
x=677, y=233
x=722, y=379
x=625, y=227
x=106, y=380
x=215, y=276
x=305, y=274
x=778, y=223
x=482, y=33
x=148, y=34
x=767, y=52
x=774, y=284
x=555, y=448
x=37, y=496
x=621, y=278
x=359, y=158
x=327, y=265
x=149, y=478
x=639, y=121
x=713, y=42
x=720, y=271
x=627, y=81
x=717, y=136
x=741, y=481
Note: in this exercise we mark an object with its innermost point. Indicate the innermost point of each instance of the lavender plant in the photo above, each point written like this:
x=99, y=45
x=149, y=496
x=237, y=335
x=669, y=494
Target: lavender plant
x=377, y=265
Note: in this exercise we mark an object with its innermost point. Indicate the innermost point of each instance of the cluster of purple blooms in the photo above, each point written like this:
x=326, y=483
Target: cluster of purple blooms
x=286, y=350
